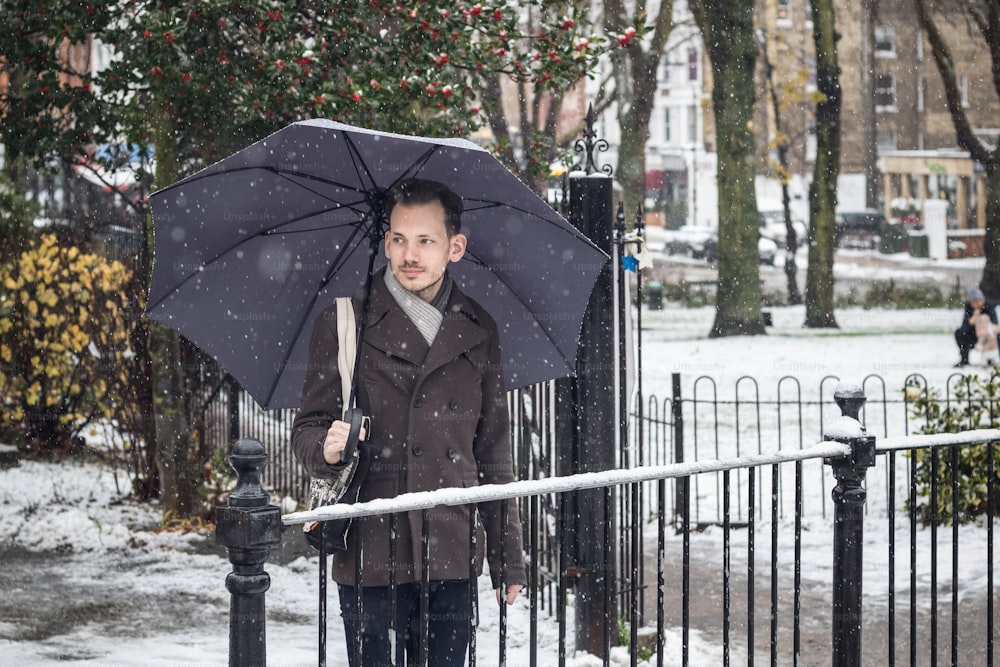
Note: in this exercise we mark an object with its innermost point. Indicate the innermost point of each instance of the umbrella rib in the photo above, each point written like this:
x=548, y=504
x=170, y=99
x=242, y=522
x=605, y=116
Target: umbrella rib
x=327, y=277
x=359, y=164
x=284, y=173
x=194, y=178
x=485, y=204
x=541, y=325
x=266, y=232
x=563, y=229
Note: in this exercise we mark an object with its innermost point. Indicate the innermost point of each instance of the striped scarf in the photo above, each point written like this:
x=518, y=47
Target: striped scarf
x=426, y=316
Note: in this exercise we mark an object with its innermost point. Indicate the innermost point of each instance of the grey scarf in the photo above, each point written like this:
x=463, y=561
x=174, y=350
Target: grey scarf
x=426, y=316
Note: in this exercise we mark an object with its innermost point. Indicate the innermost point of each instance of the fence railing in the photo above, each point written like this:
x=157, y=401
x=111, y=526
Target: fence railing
x=708, y=595
x=697, y=421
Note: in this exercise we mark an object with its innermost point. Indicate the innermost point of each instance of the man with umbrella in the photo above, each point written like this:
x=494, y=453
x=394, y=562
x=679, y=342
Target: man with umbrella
x=430, y=378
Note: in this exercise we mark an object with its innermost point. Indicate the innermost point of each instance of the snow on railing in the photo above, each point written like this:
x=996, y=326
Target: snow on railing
x=592, y=480
x=974, y=437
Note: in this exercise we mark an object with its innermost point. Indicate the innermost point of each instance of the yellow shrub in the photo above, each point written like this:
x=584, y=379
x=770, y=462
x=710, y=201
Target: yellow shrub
x=62, y=333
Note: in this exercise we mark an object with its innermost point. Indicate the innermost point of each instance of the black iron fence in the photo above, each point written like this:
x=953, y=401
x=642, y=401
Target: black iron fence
x=768, y=577
x=698, y=421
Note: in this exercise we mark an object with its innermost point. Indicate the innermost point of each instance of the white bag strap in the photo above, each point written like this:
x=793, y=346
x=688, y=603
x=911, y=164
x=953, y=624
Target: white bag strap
x=347, y=347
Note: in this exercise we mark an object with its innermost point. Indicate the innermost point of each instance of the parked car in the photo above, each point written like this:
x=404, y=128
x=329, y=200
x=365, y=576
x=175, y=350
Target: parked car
x=767, y=250
x=859, y=229
x=690, y=240
x=772, y=225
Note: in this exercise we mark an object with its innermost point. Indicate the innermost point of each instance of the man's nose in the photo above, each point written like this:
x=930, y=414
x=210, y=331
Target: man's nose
x=410, y=252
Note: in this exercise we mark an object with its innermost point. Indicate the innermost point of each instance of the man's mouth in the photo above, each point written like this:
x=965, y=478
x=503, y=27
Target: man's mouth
x=411, y=271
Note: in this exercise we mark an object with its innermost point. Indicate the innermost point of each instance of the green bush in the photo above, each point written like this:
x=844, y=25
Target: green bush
x=973, y=404
x=905, y=296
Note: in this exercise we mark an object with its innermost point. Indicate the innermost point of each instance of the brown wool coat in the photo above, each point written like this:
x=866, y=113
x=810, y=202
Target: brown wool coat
x=439, y=419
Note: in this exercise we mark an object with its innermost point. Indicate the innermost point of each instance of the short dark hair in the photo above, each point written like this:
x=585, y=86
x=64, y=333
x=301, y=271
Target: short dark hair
x=415, y=191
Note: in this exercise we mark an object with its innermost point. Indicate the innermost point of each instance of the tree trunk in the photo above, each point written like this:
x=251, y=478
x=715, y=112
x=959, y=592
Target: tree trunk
x=869, y=117
x=791, y=236
x=986, y=19
x=631, y=169
x=178, y=473
x=728, y=31
x=990, y=282
x=823, y=189
x=635, y=88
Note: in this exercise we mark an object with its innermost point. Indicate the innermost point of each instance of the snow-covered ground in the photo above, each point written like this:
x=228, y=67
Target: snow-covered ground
x=118, y=592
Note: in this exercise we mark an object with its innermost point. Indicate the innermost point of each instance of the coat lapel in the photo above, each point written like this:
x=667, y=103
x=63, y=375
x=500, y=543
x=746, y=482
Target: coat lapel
x=389, y=330
x=460, y=332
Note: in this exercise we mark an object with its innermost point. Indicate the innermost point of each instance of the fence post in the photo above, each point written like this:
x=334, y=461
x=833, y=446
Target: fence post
x=248, y=526
x=233, y=398
x=848, y=523
x=677, y=417
x=586, y=412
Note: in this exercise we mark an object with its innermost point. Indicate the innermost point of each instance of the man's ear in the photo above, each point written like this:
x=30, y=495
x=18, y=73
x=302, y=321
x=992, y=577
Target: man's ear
x=458, y=243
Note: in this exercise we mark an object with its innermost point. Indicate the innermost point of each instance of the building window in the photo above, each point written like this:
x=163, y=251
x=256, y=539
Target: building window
x=810, y=64
x=885, y=140
x=784, y=10
x=808, y=11
x=692, y=64
x=963, y=89
x=693, y=124
x=920, y=46
x=885, y=92
x=921, y=91
x=666, y=124
x=885, y=41
x=811, y=143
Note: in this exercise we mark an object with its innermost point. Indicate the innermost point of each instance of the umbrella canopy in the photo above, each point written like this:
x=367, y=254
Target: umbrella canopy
x=249, y=251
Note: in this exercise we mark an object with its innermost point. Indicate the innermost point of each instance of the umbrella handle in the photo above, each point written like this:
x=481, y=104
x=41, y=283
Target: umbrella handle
x=356, y=418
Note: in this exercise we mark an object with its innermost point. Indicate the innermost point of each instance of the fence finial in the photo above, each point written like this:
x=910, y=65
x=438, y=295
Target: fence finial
x=850, y=398
x=590, y=145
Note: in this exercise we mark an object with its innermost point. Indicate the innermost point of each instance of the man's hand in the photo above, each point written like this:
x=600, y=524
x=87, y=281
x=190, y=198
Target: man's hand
x=512, y=592
x=336, y=440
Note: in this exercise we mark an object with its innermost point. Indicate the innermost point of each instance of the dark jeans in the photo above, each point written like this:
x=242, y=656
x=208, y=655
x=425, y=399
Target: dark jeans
x=966, y=339
x=448, y=624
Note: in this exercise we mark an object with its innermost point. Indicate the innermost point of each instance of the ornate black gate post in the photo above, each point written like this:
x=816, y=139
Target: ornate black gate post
x=586, y=415
x=247, y=527
x=848, y=523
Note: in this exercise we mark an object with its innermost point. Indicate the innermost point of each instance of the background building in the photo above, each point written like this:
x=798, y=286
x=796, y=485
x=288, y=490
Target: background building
x=898, y=141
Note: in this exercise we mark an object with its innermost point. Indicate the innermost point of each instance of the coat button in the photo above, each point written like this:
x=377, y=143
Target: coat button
x=453, y=405
x=452, y=453
x=418, y=450
x=418, y=401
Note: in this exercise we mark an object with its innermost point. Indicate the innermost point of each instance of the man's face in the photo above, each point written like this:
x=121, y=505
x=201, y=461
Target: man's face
x=418, y=247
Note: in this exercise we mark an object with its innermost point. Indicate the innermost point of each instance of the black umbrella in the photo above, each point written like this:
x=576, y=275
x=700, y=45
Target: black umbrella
x=251, y=249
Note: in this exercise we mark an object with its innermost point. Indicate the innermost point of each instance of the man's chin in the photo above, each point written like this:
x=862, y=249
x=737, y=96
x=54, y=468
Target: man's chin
x=413, y=284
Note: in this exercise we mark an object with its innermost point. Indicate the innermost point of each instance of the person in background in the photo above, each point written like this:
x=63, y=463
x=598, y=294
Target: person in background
x=977, y=317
